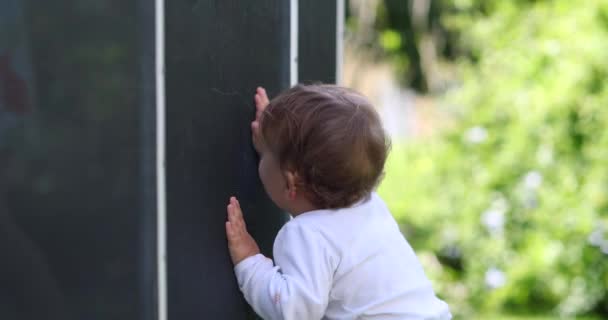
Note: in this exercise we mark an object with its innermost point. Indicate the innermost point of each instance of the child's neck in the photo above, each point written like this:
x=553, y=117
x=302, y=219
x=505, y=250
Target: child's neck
x=300, y=206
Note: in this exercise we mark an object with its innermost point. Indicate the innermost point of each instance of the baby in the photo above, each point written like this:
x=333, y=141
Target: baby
x=322, y=151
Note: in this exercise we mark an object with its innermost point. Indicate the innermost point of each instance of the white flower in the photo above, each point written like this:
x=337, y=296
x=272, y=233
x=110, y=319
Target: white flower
x=533, y=180
x=596, y=238
x=494, y=217
x=494, y=220
x=495, y=278
x=476, y=135
x=604, y=247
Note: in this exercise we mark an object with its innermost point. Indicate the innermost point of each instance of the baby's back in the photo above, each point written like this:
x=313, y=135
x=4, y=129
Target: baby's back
x=377, y=274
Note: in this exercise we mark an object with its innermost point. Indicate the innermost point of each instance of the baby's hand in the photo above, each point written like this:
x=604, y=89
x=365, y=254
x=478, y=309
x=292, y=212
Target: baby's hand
x=240, y=242
x=261, y=102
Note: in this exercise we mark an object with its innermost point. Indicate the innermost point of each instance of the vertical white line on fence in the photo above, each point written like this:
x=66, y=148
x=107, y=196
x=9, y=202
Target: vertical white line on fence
x=293, y=39
x=161, y=210
x=339, y=40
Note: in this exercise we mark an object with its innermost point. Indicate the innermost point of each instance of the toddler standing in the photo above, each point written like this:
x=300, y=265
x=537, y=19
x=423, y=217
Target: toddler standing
x=322, y=152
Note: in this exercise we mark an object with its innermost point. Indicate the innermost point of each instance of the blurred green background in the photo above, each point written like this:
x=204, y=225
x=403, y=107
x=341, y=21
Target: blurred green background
x=501, y=183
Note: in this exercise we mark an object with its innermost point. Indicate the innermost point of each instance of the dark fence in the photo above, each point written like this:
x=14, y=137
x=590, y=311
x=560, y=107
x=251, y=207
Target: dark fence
x=80, y=161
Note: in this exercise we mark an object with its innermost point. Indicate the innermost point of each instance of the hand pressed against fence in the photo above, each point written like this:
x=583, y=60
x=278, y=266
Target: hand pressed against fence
x=261, y=102
x=240, y=243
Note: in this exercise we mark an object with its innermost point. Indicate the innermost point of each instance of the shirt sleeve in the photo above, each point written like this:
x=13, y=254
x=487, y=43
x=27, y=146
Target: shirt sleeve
x=298, y=286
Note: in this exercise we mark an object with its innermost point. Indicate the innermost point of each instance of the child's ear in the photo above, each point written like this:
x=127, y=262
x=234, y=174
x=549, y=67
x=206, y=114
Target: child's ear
x=291, y=180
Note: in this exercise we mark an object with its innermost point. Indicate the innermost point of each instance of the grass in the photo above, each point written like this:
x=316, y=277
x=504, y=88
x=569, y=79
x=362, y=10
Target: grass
x=530, y=317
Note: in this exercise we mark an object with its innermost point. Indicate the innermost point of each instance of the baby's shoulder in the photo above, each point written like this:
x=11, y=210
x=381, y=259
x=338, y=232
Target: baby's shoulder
x=323, y=227
x=300, y=235
x=301, y=224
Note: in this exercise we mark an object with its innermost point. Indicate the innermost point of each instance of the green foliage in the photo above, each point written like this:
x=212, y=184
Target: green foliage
x=527, y=317
x=508, y=206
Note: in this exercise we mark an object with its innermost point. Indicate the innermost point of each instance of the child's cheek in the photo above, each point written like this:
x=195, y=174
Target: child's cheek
x=260, y=168
x=262, y=172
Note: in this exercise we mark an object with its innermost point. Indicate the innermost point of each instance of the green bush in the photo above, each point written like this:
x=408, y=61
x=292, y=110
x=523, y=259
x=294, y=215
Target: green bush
x=508, y=205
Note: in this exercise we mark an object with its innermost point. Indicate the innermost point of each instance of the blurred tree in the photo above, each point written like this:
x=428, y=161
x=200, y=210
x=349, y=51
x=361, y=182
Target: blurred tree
x=410, y=33
x=508, y=205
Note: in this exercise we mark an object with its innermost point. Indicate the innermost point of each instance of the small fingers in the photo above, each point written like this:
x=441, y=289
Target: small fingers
x=258, y=101
x=261, y=98
x=235, y=215
x=255, y=129
x=229, y=230
x=232, y=233
x=236, y=229
x=263, y=95
x=255, y=135
x=260, y=105
x=237, y=208
x=233, y=218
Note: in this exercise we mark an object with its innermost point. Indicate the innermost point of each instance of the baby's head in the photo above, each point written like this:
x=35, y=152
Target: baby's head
x=323, y=141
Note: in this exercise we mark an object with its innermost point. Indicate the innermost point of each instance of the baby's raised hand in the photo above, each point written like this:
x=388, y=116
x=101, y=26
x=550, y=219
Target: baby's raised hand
x=261, y=102
x=240, y=243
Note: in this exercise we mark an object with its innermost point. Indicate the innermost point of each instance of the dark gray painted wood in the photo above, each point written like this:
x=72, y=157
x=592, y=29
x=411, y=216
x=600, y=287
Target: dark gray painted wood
x=77, y=212
x=317, y=41
x=217, y=52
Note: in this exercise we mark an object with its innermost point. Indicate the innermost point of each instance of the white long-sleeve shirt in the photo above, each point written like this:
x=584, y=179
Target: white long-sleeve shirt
x=350, y=263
